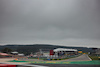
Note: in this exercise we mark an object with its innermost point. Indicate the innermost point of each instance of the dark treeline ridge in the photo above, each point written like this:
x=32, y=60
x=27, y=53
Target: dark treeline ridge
x=27, y=49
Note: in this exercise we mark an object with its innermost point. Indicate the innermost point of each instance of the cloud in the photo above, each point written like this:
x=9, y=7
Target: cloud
x=67, y=22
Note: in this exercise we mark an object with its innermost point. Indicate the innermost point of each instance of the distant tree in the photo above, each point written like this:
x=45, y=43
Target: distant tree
x=6, y=50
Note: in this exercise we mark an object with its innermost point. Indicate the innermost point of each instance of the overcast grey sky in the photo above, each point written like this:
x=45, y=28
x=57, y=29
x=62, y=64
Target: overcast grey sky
x=62, y=22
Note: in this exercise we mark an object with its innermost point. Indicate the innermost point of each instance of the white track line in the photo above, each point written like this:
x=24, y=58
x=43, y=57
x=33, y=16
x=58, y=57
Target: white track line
x=89, y=58
x=35, y=65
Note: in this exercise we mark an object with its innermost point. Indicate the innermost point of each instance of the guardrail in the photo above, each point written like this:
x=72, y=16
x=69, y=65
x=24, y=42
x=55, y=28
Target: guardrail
x=62, y=57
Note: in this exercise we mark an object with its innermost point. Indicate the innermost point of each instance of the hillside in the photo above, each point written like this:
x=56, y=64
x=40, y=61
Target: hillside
x=27, y=49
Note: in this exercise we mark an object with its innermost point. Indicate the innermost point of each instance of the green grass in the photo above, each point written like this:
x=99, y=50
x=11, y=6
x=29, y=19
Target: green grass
x=17, y=61
x=94, y=57
x=97, y=62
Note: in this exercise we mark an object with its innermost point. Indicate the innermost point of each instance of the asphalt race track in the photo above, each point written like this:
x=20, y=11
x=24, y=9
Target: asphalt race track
x=83, y=57
x=67, y=65
x=81, y=61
